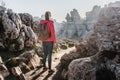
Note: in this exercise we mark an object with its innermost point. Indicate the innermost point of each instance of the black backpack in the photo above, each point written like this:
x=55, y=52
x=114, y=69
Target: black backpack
x=43, y=33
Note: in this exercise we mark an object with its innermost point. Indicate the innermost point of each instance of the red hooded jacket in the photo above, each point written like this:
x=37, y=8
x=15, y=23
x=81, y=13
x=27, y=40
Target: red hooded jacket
x=51, y=30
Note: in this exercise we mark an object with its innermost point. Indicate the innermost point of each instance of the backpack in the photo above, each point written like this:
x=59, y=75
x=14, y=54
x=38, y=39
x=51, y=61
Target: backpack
x=43, y=33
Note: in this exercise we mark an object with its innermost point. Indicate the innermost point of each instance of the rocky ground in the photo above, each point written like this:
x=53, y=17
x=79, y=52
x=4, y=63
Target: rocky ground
x=26, y=64
x=38, y=74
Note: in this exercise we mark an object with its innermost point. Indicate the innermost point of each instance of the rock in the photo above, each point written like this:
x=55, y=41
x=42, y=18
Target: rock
x=63, y=46
x=114, y=4
x=83, y=49
x=77, y=28
x=73, y=28
x=104, y=41
x=2, y=10
x=15, y=18
x=16, y=71
x=22, y=77
x=30, y=34
x=107, y=61
x=26, y=61
x=39, y=49
x=29, y=43
x=9, y=26
x=64, y=74
x=92, y=17
x=34, y=62
x=1, y=45
x=83, y=71
x=27, y=19
x=35, y=26
x=107, y=29
x=16, y=32
x=90, y=68
x=71, y=43
x=66, y=59
x=1, y=77
x=3, y=69
x=21, y=41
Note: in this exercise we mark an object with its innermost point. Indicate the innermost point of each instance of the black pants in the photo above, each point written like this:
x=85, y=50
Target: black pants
x=48, y=49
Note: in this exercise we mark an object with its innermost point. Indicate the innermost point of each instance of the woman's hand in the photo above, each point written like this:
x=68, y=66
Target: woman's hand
x=55, y=45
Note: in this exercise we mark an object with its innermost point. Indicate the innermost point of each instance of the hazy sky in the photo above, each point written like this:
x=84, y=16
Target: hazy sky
x=58, y=8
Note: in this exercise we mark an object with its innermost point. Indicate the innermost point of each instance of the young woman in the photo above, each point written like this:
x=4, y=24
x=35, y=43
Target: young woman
x=49, y=43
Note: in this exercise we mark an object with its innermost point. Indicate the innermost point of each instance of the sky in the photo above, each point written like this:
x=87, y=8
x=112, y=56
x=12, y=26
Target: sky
x=58, y=8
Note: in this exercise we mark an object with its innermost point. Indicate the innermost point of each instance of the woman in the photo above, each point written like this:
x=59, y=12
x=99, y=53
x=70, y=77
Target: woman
x=49, y=43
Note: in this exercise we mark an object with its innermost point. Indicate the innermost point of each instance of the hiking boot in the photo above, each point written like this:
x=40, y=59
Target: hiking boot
x=51, y=71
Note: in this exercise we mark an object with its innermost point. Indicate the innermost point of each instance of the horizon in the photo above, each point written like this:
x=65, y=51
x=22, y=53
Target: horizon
x=59, y=9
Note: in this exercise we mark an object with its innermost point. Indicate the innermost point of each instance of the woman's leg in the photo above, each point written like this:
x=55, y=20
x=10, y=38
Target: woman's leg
x=45, y=53
x=50, y=50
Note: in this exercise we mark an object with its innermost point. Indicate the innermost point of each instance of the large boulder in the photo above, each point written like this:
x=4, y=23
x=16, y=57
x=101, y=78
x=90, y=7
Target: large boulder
x=93, y=68
x=26, y=61
x=16, y=32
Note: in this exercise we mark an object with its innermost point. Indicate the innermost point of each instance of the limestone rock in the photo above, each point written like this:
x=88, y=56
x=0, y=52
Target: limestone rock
x=114, y=4
x=3, y=69
x=35, y=26
x=27, y=19
x=1, y=77
x=16, y=32
x=107, y=29
x=23, y=63
x=107, y=32
x=30, y=34
x=92, y=17
x=66, y=59
x=104, y=39
x=1, y=45
x=92, y=68
x=16, y=71
x=81, y=70
x=39, y=49
x=73, y=28
x=34, y=62
x=2, y=9
x=77, y=28
x=22, y=77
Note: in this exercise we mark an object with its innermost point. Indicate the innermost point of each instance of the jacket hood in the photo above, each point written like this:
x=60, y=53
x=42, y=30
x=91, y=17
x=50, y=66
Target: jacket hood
x=45, y=21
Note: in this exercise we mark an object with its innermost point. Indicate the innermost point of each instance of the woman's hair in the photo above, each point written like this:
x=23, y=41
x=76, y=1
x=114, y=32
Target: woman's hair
x=47, y=15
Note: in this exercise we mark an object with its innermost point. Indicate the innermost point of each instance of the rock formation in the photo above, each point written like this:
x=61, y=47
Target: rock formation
x=101, y=51
x=94, y=67
x=107, y=39
x=114, y=4
x=92, y=17
x=78, y=28
x=73, y=28
x=15, y=30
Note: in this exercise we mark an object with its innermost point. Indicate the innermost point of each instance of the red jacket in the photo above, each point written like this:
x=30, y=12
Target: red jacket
x=51, y=30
